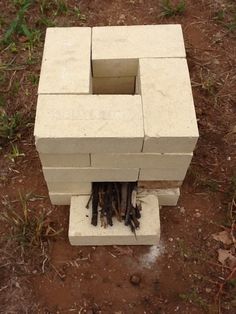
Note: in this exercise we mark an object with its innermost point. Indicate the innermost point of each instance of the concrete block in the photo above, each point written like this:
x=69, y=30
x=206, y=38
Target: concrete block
x=66, y=61
x=81, y=232
x=89, y=174
x=65, y=160
x=155, y=174
x=114, y=85
x=141, y=160
x=116, y=49
x=89, y=124
x=170, y=124
x=76, y=188
x=166, y=197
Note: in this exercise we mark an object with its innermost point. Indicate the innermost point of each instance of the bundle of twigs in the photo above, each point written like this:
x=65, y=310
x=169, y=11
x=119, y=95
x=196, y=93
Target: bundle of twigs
x=115, y=200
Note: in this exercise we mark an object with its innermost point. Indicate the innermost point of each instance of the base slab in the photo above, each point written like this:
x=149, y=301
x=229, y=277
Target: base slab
x=81, y=232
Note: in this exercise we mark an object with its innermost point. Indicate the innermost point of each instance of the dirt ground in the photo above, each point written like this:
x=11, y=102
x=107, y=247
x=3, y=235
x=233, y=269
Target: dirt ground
x=194, y=268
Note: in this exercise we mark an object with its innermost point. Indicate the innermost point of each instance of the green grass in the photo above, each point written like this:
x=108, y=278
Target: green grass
x=10, y=125
x=15, y=153
x=169, y=9
x=193, y=297
x=29, y=228
x=19, y=27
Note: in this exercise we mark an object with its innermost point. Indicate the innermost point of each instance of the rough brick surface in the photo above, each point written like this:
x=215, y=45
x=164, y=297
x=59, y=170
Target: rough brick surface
x=141, y=160
x=114, y=85
x=66, y=61
x=166, y=197
x=76, y=188
x=169, y=115
x=90, y=174
x=65, y=160
x=116, y=49
x=89, y=123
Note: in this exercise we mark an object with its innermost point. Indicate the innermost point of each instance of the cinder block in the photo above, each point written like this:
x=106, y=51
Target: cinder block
x=170, y=124
x=116, y=49
x=166, y=197
x=66, y=61
x=155, y=174
x=65, y=160
x=141, y=160
x=114, y=85
x=81, y=232
x=76, y=188
x=89, y=124
x=89, y=174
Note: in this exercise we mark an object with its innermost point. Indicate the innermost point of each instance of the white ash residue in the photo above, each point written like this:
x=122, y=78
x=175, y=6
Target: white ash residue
x=150, y=258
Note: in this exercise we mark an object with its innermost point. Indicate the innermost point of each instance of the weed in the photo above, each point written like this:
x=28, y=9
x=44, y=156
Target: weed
x=193, y=297
x=231, y=25
x=169, y=9
x=219, y=15
x=201, y=181
x=13, y=48
x=15, y=153
x=9, y=125
x=78, y=13
x=2, y=101
x=29, y=228
x=61, y=7
x=34, y=79
x=44, y=21
x=18, y=25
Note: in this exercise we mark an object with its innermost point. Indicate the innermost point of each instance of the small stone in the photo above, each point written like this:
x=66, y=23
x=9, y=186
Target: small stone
x=182, y=210
x=135, y=279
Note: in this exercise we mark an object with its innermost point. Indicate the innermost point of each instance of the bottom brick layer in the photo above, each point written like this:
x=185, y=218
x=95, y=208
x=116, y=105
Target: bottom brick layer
x=166, y=197
x=81, y=232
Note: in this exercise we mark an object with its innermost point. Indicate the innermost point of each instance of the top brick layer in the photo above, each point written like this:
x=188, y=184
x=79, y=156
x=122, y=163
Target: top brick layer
x=66, y=61
x=116, y=49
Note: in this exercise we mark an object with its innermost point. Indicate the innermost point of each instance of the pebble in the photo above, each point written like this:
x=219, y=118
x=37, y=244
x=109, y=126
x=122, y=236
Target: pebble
x=135, y=279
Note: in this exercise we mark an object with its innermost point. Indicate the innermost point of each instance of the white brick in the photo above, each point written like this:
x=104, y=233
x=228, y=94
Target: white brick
x=61, y=199
x=116, y=49
x=76, y=188
x=169, y=115
x=141, y=160
x=89, y=174
x=175, y=174
x=114, y=85
x=66, y=61
x=166, y=197
x=81, y=232
x=89, y=123
x=65, y=160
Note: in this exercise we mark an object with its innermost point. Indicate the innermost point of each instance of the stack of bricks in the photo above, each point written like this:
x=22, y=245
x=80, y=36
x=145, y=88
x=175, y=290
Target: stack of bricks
x=115, y=104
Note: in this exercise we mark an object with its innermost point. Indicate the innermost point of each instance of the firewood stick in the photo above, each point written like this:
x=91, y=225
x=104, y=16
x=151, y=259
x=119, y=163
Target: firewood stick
x=124, y=193
x=95, y=201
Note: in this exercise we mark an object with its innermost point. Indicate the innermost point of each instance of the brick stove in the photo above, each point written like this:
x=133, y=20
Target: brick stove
x=115, y=105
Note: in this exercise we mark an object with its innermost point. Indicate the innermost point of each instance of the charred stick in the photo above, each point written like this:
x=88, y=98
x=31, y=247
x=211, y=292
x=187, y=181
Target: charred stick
x=137, y=211
x=128, y=205
x=124, y=195
x=95, y=201
x=118, y=201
